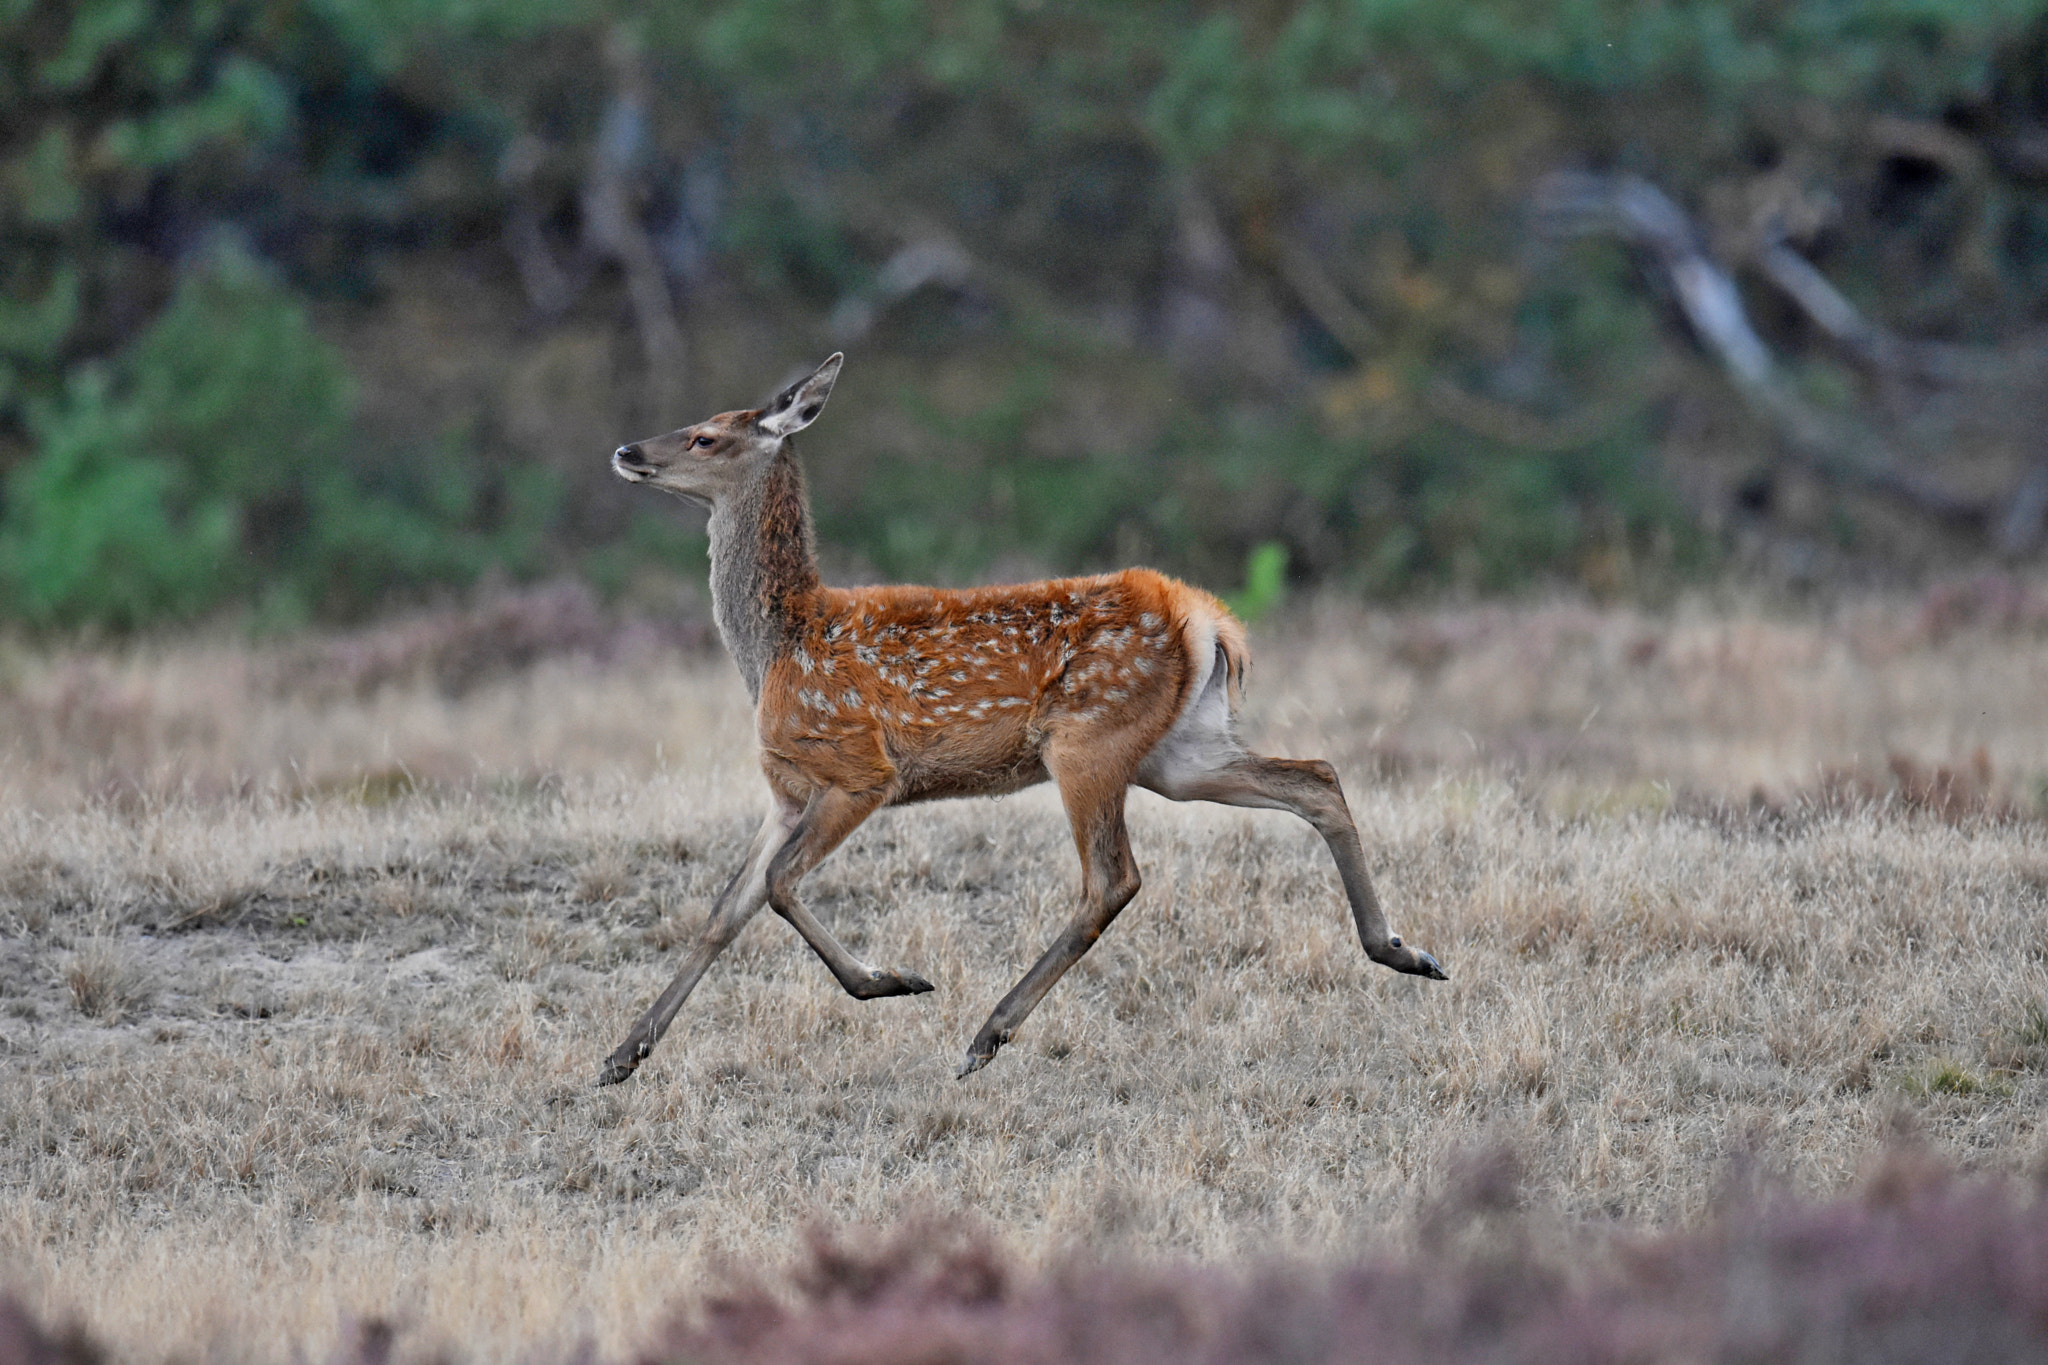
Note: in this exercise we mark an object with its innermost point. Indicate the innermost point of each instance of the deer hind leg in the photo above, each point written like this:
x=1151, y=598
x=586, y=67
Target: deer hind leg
x=1109, y=878
x=741, y=900
x=1200, y=760
x=830, y=816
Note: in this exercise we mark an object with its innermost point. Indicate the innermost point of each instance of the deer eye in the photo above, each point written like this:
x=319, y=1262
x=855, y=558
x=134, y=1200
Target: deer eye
x=701, y=441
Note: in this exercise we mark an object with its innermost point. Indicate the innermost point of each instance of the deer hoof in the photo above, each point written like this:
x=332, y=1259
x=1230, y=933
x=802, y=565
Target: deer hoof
x=616, y=1071
x=1425, y=965
x=884, y=984
x=982, y=1050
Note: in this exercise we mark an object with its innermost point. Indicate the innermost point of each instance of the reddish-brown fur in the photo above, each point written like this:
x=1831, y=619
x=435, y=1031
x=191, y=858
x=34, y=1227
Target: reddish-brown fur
x=869, y=697
x=915, y=693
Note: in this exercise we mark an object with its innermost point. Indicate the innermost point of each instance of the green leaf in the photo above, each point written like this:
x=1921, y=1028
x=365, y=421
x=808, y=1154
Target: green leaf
x=1265, y=582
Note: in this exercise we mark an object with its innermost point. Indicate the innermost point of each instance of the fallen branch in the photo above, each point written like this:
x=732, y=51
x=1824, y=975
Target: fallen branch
x=1827, y=308
x=1325, y=300
x=937, y=260
x=1637, y=212
x=1933, y=143
x=1873, y=347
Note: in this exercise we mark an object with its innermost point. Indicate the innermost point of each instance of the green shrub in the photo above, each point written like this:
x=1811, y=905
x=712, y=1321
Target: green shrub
x=136, y=501
x=211, y=462
x=98, y=529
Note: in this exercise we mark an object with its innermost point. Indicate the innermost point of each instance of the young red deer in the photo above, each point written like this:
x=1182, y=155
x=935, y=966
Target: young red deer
x=872, y=697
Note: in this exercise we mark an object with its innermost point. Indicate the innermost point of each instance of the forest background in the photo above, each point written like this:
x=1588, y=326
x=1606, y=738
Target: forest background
x=309, y=307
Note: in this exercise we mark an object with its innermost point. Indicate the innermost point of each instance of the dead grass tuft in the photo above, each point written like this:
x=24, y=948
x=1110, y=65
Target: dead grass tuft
x=106, y=980
x=1993, y=603
x=607, y=878
x=1952, y=793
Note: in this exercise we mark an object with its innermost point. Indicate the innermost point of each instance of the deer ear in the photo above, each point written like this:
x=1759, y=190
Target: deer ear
x=797, y=406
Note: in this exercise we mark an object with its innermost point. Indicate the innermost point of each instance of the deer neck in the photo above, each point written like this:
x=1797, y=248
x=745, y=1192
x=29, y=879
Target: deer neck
x=764, y=568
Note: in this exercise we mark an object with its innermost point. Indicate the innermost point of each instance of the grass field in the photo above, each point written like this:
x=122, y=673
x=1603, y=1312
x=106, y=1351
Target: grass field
x=308, y=954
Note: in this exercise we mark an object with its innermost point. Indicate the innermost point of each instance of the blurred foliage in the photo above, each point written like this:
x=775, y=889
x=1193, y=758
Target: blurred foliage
x=207, y=462
x=188, y=182
x=1265, y=582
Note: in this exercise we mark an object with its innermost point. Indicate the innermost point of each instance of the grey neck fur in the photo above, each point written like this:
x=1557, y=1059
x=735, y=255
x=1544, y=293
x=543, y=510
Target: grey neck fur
x=746, y=602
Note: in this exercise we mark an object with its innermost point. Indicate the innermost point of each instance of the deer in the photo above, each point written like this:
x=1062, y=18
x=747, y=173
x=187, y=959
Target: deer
x=871, y=697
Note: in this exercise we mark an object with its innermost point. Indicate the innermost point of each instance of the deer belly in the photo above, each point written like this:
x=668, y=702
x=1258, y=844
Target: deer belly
x=936, y=762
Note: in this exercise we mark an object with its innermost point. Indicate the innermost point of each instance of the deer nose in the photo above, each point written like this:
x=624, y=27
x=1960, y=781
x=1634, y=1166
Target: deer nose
x=630, y=464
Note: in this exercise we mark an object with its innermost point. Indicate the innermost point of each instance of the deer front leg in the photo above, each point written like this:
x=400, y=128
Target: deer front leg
x=1109, y=879
x=828, y=818
x=742, y=898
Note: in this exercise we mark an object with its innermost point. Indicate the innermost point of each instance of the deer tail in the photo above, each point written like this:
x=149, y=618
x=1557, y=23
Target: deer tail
x=1234, y=654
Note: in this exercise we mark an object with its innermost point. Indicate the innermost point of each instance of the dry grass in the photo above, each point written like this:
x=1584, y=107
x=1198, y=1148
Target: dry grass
x=301, y=985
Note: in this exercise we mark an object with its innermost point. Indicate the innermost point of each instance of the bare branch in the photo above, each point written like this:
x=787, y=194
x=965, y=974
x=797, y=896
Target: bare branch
x=1510, y=425
x=612, y=226
x=1930, y=142
x=1637, y=212
x=2024, y=155
x=936, y=260
x=2026, y=516
x=1325, y=300
x=550, y=288
x=1874, y=347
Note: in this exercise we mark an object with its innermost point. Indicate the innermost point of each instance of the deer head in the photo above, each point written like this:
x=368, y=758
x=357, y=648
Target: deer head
x=709, y=462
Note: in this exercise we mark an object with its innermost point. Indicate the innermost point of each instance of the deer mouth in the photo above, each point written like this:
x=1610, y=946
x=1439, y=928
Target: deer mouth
x=628, y=463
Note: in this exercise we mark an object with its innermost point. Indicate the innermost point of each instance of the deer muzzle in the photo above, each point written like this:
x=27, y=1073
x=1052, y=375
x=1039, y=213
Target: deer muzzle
x=630, y=462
